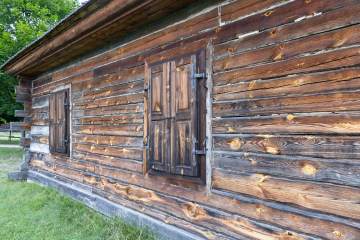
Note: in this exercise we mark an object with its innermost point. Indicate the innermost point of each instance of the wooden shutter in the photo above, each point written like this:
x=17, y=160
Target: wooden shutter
x=157, y=118
x=52, y=122
x=59, y=124
x=61, y=127
x=183, y=109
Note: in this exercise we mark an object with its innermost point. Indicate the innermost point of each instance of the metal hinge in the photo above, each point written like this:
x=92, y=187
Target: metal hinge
x=147, y=139
x=65, y=140
x=195, y=76
x=198, y=152
x=147, y=87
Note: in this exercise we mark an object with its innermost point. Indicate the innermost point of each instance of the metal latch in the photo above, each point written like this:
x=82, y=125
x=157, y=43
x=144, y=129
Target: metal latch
x=147, y=87
x=147, y=144
x=198, y=152
x=195, y=76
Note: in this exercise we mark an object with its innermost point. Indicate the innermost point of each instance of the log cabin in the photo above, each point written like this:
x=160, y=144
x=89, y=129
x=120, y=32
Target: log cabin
x=206, y=119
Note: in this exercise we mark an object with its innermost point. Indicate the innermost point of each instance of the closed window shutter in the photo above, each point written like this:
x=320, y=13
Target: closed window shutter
x=184, y=110
x=52, y=121
x=61, y=126
x=157, y=109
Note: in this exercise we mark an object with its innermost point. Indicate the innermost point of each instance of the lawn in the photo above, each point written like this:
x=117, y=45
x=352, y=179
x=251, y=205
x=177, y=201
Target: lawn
x=4, y=138
x=29, y=211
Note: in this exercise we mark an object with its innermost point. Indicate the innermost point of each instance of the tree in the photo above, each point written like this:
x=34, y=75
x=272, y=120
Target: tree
x=21, y=22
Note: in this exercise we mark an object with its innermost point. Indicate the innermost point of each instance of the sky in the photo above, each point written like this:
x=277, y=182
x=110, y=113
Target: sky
x=82, y=1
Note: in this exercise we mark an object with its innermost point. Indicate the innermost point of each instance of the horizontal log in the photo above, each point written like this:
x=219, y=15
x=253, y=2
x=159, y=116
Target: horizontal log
x=109, y=140
x=234, y=10
x=169, y=219
x=63, y=160
x=299, y=145
x=42, y=81
x=129, y=153
x=39, y=147
x=22, y=89
x=116, y=130
x=126, y=99
x=235, y=226
x=40, y=130
x=317, y=62
x=44, y=139
x=322, y=225
x=112, y=91
x=335, y=199
x=27, y=106
x=342, y=171
x=122, y=163
x=109, y=111
x=304, y=124
x=22, y=113
x=25, y=142
x=339, y=101
x=44, y=109
x=45, y=89
x=110, y=80
x=59, y=170
x=25, y=81
x=310, y=83
x=23, y=97
x=41, y=101
x=320, y=23
x=280, y=15
x=293, y=48
x=111, y=120
x=20, y=126
x=40, y=122
x=40, y=116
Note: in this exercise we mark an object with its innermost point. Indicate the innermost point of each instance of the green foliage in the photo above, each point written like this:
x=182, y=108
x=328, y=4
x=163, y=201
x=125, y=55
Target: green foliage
x=21, y=22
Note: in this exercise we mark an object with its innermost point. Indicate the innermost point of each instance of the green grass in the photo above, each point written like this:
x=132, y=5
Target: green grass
x=29, y=211
x=4, y=138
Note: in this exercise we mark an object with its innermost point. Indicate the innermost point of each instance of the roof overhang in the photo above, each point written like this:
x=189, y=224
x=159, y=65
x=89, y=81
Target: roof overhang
x=94, y=24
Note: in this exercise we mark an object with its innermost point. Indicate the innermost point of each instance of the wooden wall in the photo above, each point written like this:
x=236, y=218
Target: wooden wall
x=286, y=162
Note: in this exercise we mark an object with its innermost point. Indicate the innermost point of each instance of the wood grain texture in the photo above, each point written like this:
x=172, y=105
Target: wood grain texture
x=344, y=171
x=290, y=124
x=110, y=120
x=109, y=140
x=335, y=199
x=117, y=130
x=117, y=110
x=324, y=102
x=330, y=146
x=130, y=153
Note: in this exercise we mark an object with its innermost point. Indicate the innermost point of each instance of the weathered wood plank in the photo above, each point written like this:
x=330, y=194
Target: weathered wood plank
x=122, y=163
x=63, y=160
x=342, y=171
x=167, y=218
x=22, y=113
x=130, y=153
x=116, y=130
x=309, y=83
x=235, y=226
x=330, y=59
x=23, y=90
x=319, y=23
x=117, y=110
x=111, y=120
x=292, y=124
x=335, y=199
x=44, y=139
x=109, y=140
x=25, y=142
x=20, y=126
x=300, y=145
x=338, y=101
x=237, y=9
x=110, y=80
x=274, y=17
x=23, y=97
x=112, y=91
x=40, y=101
x=126, y=99
x=304, y=221
x=42, y=81
x=25, y=81
x=59, y=170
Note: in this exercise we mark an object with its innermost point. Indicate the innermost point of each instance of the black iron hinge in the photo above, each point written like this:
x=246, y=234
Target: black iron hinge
x=195, y=76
